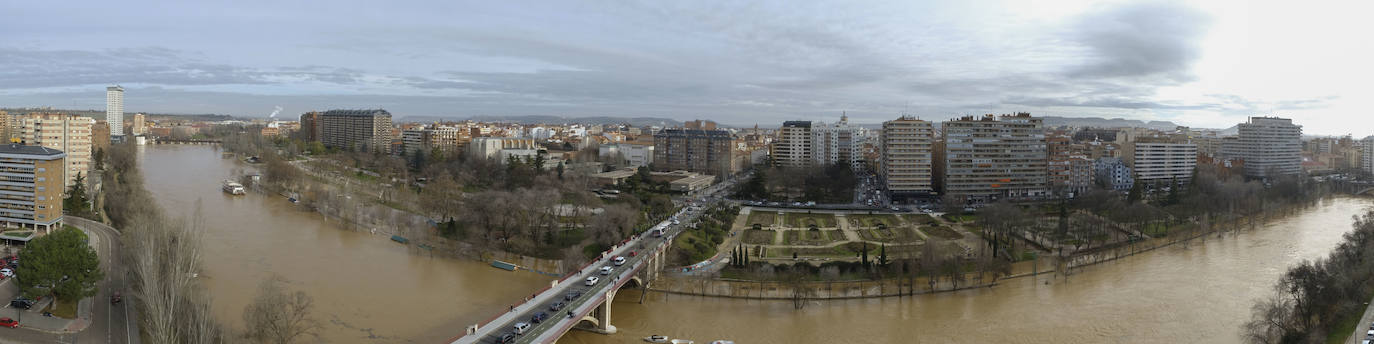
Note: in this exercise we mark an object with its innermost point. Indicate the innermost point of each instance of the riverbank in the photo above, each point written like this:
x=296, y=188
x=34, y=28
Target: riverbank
x=908, y=286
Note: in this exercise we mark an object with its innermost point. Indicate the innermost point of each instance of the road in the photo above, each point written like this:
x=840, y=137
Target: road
x=110, y=323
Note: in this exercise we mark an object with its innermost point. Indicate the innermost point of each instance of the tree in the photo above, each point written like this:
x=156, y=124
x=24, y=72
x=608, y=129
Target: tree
x=882, y=256
x=277, y=316
x=1136, y=192
x=76, y=202
x=60, y=263
x=99, y=159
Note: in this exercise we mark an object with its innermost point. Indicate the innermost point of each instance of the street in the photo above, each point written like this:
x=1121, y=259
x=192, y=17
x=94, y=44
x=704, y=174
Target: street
x=108, y=323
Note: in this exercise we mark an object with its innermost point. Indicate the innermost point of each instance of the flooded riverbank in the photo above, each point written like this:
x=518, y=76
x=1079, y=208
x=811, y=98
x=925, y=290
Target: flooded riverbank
x=366, y=288
x=1196, y=293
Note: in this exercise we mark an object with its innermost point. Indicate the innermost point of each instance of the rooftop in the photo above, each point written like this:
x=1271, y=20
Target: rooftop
x=15, y=148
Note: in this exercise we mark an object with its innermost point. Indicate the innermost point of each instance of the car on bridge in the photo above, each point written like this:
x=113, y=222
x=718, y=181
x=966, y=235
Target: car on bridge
x=521, y=327
x=573, y=294
x=606, y=270
x=539, y=317
x=556, y=306
x=591, y=281
x=618, y=261
x=10, y=323
x=505, y=338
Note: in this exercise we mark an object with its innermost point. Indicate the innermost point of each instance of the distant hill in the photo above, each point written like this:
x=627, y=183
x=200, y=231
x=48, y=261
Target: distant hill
x=1098, y=122
x=634, y=121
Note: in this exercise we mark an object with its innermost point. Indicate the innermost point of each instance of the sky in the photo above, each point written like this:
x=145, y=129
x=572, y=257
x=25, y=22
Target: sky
x=1199, y=63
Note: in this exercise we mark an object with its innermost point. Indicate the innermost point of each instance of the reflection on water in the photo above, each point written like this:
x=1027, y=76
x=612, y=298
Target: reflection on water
x=1196, y=294
x=366, y=288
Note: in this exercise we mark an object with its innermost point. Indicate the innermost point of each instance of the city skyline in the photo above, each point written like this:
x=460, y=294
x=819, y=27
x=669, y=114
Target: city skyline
x=1206, y=64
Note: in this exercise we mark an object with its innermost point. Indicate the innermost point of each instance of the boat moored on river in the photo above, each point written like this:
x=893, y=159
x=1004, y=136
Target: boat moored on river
x=233, y=188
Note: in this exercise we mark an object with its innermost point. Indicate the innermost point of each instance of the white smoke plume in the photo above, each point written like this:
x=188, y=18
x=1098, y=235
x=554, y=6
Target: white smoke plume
x=275, y=112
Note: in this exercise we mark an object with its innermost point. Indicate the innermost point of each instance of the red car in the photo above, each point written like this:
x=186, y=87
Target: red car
x=10, y=323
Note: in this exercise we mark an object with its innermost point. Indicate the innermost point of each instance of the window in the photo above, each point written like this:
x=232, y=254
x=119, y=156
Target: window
x=42, y=169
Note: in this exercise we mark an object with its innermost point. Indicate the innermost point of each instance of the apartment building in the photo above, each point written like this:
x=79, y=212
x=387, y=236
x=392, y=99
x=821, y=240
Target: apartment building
x=1270, y=146
x=696, y=150
x=1068, y=167
x=995, y=157
x=139, y=127
x=1161, y=161
x=1113, y=174
x=310, y=126
x=1367, y=155
x=356, y=130
x=446, y=139
x=32, y=184
x=839, y=143
x=793, y=147
x=67, y=133
x=114, y=111
x=906, y=162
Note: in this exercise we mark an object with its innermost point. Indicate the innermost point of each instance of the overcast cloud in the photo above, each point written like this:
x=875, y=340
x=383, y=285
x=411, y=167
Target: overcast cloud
x=1206, y=64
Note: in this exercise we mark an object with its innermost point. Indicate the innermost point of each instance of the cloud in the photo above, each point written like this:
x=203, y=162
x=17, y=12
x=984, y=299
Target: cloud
x=1153, y=41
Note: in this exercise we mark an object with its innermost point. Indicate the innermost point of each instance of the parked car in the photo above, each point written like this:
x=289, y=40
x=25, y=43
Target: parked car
x=21, y=303
x=591, y=281
x=556, y=306
x=619, y=261
x=520, y=327
x=7, y=272
x=606, y=270
x=505, y=338
x=10, y=323
x=539, y=317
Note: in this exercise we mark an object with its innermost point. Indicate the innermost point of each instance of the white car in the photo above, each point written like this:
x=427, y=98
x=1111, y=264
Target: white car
x=520, y=328
x=606, y=270
x=619, y=261
x=7, y=272
x=591, y=281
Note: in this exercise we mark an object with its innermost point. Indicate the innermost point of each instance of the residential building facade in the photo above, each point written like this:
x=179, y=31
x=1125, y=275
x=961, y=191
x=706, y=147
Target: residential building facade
x=114, y=110
x=357, y=130
x=995, y=157
x=1270, y=146
x=906, y=162
x=1112, y=173
x=839, y=143
x=68, y=133
x=1161, y=162
x=33, y=186
x=794, y=146
x=696, y=150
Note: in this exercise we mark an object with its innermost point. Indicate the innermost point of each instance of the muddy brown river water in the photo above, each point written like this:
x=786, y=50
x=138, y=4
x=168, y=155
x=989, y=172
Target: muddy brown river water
x=370, y=290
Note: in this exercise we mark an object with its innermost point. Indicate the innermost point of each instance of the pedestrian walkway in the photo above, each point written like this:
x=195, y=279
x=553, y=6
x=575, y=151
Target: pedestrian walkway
x=1363, y=327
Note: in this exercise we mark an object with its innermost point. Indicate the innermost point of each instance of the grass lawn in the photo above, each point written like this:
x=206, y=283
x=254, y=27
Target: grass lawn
x=67, y=309
x=811, y=252
x=942, y=232
x=923, y=219
x=804, y=220
x=763, y=218
x=763, y=237
x=812, y=238
x=872, y=220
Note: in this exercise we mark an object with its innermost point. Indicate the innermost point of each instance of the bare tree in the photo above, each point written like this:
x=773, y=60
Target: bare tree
x=277, y=316
x=164, y=259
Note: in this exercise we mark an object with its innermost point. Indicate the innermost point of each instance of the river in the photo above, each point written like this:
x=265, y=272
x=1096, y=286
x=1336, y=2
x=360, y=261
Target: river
x=1201, y=293
x=366, y=288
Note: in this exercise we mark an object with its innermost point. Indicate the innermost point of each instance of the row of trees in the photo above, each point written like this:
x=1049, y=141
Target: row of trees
x=1314, y=297
x=832, y=183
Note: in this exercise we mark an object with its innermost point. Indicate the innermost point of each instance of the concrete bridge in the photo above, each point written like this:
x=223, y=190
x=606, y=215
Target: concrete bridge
x=591, y=310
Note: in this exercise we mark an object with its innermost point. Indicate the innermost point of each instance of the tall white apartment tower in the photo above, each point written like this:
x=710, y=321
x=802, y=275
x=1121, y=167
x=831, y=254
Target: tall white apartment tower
x=114, y=110
x=1367, y=155
x=1271, y=146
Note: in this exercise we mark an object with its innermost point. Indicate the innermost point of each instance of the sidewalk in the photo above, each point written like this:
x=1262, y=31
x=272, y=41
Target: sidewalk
x=1361, y=328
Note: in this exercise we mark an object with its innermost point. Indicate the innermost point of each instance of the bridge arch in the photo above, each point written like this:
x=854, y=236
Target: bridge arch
x=633, y=282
